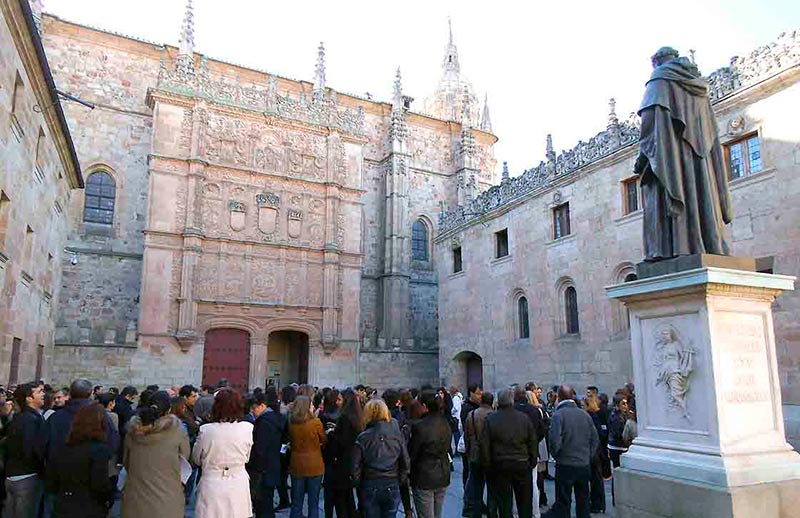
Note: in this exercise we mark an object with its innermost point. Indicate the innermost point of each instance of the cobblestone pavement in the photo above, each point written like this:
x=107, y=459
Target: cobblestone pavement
x=453, y=501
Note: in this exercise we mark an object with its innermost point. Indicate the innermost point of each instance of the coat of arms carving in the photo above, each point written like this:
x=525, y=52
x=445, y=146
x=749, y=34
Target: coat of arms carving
x=237, y=215
x=295, y=224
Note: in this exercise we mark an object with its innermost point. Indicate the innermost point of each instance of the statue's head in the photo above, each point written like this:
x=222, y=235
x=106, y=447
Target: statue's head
x=663, y=55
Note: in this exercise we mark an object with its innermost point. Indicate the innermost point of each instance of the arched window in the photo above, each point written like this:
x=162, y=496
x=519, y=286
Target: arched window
x=571, y=310
x=419, y=241
x=523, y=323
x=631, y=277
x=100, y=194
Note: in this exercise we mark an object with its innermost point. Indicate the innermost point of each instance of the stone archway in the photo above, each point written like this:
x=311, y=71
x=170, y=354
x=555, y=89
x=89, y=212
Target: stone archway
x=469, y=369
x=288, y=358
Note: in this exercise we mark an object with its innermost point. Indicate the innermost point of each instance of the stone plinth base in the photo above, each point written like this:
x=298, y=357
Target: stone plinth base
x=644, y=495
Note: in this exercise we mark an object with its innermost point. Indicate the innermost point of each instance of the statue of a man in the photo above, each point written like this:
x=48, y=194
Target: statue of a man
x=683, y=179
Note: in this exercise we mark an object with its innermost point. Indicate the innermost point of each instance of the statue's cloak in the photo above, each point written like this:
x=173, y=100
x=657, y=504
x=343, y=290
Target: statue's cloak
x=684, y=184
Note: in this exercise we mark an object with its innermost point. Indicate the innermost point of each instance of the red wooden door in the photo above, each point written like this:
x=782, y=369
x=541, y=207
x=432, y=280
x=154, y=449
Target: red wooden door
x=227, y=355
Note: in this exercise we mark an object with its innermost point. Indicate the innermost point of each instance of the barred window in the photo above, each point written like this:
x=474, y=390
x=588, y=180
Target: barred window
x=744, y=157
x=631, y=192
x=561, y=221
x=457, y=261
x=100, y=194
x=419, y=241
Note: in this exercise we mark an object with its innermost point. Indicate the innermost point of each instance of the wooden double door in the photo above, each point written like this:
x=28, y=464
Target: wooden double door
x=227, y=356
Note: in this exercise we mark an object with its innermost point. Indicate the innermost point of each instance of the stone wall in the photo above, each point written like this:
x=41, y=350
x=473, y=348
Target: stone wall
x=36, y=187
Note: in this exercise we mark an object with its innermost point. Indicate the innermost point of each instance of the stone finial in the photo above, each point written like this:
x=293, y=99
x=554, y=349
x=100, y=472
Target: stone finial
x=691, y=56
x=319, y=70
x=506, y=177
x=549, y=152
x=397, y=91
x=613, y=121
x=450, y=62
x=186, y=45
x=486, y=121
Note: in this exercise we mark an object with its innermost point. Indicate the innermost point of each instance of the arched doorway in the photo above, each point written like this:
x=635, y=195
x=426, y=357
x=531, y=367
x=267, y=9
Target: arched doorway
x=227, y=356
x=469, y=367
x=287, y=358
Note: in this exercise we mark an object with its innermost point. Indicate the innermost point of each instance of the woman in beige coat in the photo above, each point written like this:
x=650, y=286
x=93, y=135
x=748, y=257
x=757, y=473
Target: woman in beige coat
x=221, y=451
x=154, y=444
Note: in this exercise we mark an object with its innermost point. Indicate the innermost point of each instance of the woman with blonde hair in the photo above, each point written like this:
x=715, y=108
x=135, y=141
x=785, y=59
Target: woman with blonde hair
x=380, y=461
x=306, y=439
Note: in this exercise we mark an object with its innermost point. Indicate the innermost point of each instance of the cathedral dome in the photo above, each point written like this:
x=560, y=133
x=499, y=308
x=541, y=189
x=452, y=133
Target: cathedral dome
x=453, y=92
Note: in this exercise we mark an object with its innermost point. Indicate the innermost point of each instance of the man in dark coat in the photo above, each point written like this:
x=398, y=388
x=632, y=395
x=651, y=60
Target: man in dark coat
x=684, y=185
x=24, y=463
x=509, y=449
x=474, y=392
x=271, y=430
x=573, y=443
x=430, y=459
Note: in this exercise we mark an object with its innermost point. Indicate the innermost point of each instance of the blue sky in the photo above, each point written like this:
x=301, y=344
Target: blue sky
x=548, y=67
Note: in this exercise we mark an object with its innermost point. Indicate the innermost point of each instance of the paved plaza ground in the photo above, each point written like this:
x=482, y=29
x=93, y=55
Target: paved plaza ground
x=453, y=500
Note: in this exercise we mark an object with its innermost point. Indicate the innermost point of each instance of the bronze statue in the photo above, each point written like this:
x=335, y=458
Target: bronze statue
x=682, y=172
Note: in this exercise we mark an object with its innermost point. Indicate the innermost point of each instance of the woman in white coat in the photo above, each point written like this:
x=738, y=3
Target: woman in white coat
x=222, y=449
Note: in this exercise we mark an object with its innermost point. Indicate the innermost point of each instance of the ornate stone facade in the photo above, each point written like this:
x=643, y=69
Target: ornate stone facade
x=257, y=203
x=479, y=319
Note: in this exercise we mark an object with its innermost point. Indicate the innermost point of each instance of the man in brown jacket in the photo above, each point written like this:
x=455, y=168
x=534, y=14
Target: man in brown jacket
x=473, y=426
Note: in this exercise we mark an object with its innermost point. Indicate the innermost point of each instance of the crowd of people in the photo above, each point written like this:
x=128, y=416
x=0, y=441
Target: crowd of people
x=75, y=451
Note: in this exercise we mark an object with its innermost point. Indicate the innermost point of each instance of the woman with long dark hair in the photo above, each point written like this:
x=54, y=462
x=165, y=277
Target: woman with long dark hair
x=154, y=446
x=222, y=450
x=341, y=441
x=306, y=438
x=78, y=474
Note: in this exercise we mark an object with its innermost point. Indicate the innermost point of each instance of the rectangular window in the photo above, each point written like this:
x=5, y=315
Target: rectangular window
x=501, y=243
x=16, y=105
x=744, y=157
x=457, y=264
x=13, y=374
x=561, y=221
x=631, y=195
x=5, y=210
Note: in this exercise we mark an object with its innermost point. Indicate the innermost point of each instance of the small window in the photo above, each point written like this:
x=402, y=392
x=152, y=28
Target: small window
x=571, y=310
x=630, y=191
x=39, y=362
x=16, y=96
x=13, y=374
x=419, y=241
x=501, y=243
x=743, y=157
x=100, y=194
x=457, y=264
x=561, y=221
x=524, y=330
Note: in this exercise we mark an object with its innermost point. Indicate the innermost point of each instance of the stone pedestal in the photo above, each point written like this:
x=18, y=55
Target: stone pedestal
x=711, y=441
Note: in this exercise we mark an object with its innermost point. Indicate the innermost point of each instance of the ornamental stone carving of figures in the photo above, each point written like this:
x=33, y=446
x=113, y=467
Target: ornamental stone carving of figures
x=674, y=364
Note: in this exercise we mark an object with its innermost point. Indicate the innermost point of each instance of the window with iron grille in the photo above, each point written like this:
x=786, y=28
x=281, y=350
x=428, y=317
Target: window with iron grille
x=743, y=157
x=100, y=193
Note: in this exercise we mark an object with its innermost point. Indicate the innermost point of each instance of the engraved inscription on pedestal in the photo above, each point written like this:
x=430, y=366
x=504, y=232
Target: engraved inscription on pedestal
x=744, y=376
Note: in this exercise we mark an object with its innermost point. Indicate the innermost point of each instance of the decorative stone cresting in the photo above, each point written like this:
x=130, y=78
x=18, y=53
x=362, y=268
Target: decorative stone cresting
x=743, y=72
x=321, y=110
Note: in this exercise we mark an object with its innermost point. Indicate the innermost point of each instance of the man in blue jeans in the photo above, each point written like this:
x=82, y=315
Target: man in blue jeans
x=573, y=442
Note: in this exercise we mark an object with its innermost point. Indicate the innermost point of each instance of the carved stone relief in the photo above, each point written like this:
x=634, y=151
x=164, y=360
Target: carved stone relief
x=294, y=225
x=238, y=215
x=673, y=363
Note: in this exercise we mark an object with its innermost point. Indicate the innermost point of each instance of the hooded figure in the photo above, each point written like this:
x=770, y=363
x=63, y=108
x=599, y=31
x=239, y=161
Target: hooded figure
x=684, y=185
